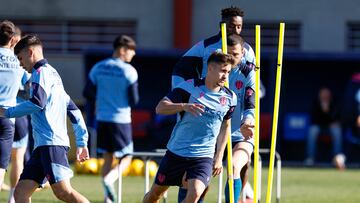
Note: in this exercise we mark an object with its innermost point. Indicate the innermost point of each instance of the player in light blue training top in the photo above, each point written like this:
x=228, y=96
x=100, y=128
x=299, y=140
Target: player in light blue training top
x=205, y=107
x=194, y=63
x=11, y=77
x=242, y=82
x=114, y=82
x=49, y=106
x=22, y=125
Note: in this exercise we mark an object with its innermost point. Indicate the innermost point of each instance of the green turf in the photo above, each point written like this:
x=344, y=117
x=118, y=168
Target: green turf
x=298, y=185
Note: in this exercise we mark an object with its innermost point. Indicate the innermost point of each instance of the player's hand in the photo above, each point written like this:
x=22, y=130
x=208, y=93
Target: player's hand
x=82, y=154
x=2, y=112
x=194, y=108
x=247, y=129
x=358, y=121
x=217, y=167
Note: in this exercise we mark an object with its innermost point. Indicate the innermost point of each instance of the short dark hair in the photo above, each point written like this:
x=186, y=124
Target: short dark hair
x=124, y=41
x=27, y=41
x=227, y=13
x=219, y=57
x=7, y=31
x=234, y=39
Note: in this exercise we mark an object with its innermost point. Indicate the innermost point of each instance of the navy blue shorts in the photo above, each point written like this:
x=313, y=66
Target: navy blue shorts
x=48, y=162
x=6, y=139
x=21, y=128
x=173, y=167
x=115, y=138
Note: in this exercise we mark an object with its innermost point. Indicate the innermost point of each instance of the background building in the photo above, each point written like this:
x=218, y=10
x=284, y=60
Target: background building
x=322, y=40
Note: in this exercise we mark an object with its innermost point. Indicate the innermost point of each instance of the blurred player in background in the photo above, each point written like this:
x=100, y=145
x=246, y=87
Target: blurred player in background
x=113, y=83
x=48, y=105
x=21, y=136
x=11, y=75
x=205, y=108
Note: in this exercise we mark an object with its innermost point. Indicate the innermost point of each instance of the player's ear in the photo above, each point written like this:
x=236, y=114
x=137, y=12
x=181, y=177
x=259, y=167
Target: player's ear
x=30, y=51
x=210, y=67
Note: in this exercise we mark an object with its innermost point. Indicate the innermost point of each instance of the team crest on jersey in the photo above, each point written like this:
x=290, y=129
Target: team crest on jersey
x=238, y=84
x=161, y=178
x=189, y=80
x=222, y=100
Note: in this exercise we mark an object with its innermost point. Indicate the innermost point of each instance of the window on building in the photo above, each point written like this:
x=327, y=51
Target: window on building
x=73, y=36
x=353, y=36
x=270, y=35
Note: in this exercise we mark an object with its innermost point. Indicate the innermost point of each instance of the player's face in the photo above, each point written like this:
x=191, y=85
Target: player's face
x=128, y=54
x=234, y=25
x=237, y=51
x=220, y=73
x=24, y=57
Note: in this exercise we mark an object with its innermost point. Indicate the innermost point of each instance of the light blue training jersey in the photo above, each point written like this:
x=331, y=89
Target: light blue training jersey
x=112, y=78
x=194, y=62
x=242, y=82
x=12, y=76
x=49, y=106
x=195, y=136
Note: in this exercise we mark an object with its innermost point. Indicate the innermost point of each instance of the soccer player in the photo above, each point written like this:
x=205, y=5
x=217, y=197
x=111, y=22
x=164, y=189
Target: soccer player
x=11, y=75
x=194, y=63
x=48, y=105
x=205, y=107
x=242, y=82
x=114, y=82
x=21, y=135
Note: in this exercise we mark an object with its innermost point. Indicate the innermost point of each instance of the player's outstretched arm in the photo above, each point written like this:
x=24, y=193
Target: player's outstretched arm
x=220, y=146
x=167, y=107
x=22, y=109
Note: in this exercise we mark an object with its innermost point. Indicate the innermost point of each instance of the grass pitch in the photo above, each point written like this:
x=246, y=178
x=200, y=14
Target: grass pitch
x=299, y=185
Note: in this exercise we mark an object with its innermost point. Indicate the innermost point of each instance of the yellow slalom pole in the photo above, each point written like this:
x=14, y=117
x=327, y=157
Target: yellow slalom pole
x=276, y=112
x=229, y=143
x=257, y=112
